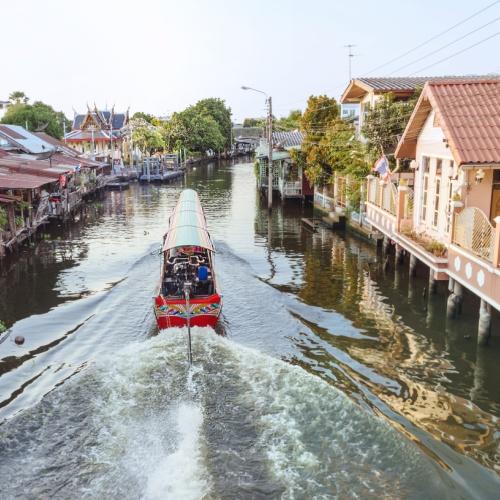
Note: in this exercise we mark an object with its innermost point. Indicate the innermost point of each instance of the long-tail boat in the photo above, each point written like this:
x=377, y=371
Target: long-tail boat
x=187, y=294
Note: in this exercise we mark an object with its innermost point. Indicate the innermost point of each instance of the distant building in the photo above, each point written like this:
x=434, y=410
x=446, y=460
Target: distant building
x=102, y=135
x=3, y=108
x=288, y=178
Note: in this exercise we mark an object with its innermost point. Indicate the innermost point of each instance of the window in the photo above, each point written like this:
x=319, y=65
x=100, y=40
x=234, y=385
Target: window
x=425, y=164
x=425, y=192
x=496, y=179
x=449, y=211
x=437, y=187
x=439, y=166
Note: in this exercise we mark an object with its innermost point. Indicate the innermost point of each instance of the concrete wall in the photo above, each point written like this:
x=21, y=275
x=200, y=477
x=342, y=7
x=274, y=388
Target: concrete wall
x=479, y=195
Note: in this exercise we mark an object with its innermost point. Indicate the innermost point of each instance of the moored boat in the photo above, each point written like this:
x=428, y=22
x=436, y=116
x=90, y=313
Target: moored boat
x=188, y=294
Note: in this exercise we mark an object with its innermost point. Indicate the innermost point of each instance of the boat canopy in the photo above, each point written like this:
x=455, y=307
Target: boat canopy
x=187, y=224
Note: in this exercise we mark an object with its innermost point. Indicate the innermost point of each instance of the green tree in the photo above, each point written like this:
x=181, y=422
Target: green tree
x=38, y=117
x=195, y=130
x=18, y=97
x=344, y=152
x=385, y=122
x=254, y=122
x=175, y=132
x=290, y=122
x=144, y=116
x=147, y=137
x=216, y=109
x=321, y=112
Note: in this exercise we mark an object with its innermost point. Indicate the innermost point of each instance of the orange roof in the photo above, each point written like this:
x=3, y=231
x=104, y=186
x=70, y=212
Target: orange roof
x=468, y=111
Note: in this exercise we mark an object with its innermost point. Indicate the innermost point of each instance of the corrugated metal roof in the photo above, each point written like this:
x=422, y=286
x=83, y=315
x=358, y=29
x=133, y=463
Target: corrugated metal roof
x=396, y=83
x=60, y=145
x=10, y=179
x=288, y=139
x=27, y=141
x=36, y=167
x=86, y=135
x=468, y=111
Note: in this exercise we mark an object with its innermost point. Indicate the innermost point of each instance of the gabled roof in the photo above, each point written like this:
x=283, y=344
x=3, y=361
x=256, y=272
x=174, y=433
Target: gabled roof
x=399, y=85
x=468, y=112
x=20, y=138
x=103, y=119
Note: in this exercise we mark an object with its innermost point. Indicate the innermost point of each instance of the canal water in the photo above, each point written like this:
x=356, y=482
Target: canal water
x=327, y=377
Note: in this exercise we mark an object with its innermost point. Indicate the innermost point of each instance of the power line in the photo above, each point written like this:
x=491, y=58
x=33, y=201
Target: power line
x=444, y=46
x=457, y=53
x=434, y=37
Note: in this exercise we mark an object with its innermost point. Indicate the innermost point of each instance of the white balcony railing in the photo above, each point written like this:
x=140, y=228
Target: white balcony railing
x=473, y=232
x=382, y=195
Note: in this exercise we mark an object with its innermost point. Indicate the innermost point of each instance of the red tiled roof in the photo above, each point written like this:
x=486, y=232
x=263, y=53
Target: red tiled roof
x=468, y=111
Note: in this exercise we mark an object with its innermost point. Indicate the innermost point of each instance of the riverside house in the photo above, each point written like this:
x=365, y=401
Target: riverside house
x=357, y=99
x=450, y=221
x=41, y=178
x=289, y=180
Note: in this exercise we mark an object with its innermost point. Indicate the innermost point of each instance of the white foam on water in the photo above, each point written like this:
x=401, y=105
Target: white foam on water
x=237, y=421
x=318, y=442
x=180, y=474
x=149, y=424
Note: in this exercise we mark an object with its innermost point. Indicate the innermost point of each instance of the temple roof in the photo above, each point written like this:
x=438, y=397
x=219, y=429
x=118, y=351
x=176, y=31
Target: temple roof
x=102, y=120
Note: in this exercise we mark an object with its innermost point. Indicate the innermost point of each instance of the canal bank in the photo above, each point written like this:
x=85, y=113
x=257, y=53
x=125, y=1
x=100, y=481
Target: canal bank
x=332, y=378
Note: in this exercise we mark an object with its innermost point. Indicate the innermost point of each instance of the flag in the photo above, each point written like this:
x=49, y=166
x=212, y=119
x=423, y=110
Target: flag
x=382, y=167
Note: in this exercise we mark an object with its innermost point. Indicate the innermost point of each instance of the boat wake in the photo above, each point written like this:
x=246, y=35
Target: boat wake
x=142, y=424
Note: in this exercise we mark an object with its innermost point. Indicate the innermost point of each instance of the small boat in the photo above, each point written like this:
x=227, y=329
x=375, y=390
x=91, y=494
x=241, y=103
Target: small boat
x=187, y=293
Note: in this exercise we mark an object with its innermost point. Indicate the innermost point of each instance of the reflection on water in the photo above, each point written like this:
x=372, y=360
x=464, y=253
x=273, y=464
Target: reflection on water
x=321, y=301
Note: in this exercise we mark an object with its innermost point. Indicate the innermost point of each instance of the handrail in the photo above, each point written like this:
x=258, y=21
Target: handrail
x=473, y=231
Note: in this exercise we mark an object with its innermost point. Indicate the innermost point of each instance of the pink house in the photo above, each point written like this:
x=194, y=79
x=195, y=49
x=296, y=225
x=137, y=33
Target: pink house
x=451, y=220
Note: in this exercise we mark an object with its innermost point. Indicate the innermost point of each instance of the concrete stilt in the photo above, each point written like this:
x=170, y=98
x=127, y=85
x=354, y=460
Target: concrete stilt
x=484, y=323
x=431, y=310
x=454, y=303
x=385, y=245
x=386, y=263
x=397, y=278
x=432, y=282
x=413, y=265
x=399, y=255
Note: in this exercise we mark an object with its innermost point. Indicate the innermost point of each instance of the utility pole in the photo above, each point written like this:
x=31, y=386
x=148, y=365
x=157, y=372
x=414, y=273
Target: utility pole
x=350, y=55
x=270, y=155
x=270, y=144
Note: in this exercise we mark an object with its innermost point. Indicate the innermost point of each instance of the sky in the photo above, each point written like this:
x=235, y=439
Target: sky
x=159, y=56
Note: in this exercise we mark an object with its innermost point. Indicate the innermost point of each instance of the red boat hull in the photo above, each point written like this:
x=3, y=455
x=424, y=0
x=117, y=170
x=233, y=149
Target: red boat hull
x=171, y=313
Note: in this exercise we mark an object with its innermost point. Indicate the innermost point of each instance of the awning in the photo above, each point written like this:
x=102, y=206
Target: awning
x=187, y=224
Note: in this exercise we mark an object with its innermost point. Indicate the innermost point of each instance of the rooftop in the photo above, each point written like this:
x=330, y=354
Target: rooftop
x=401, y=85
x=468, y=111
x=24, y=140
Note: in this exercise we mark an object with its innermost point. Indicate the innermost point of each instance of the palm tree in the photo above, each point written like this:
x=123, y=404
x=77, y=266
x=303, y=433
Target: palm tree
x=17, y=97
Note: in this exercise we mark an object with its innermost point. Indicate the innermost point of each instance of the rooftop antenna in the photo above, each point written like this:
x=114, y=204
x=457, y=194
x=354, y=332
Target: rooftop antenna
x=350, y=55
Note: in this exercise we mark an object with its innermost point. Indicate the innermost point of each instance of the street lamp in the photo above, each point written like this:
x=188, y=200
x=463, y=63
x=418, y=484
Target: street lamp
x=270, y=143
